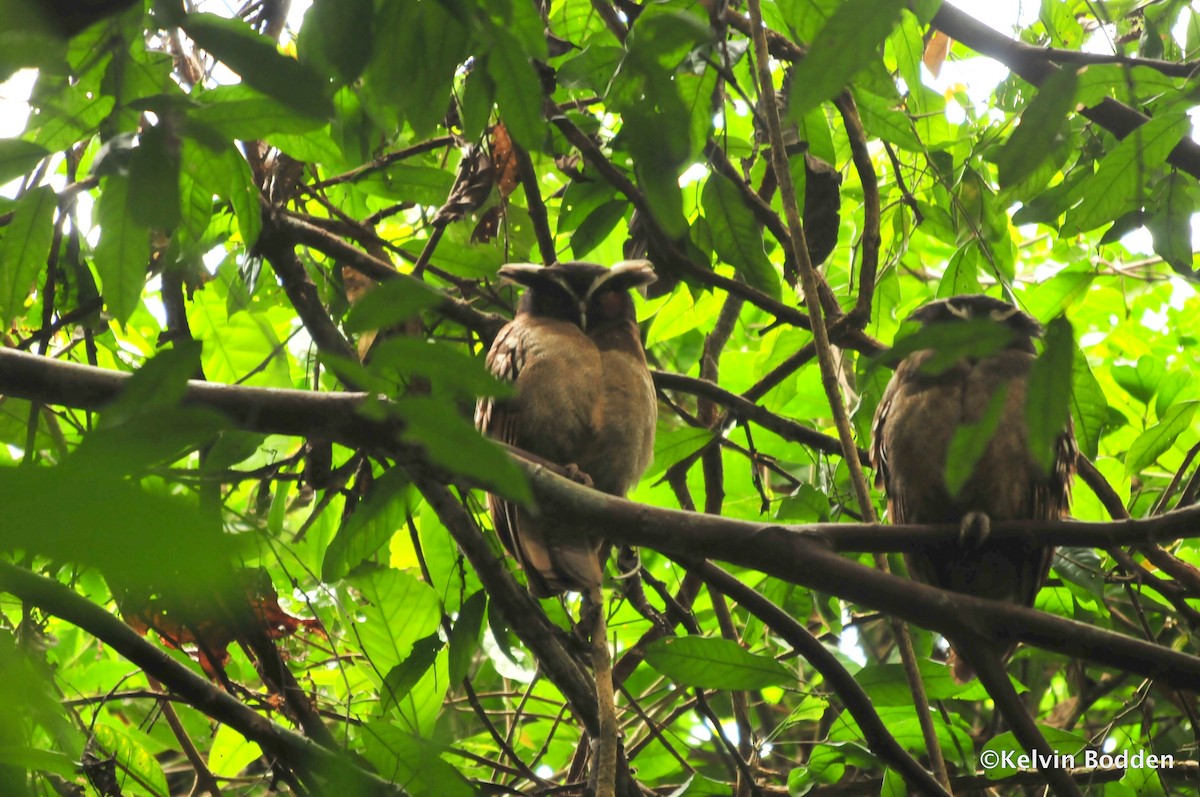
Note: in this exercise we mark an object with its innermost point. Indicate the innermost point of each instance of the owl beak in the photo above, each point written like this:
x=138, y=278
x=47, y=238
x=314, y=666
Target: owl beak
x=583, y=315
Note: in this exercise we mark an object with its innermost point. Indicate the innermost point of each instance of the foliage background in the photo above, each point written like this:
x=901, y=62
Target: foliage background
x=228, y=199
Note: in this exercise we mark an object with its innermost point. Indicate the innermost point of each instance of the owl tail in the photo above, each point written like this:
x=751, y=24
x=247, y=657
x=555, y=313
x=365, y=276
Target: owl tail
x=554, y=566
x=553, y=563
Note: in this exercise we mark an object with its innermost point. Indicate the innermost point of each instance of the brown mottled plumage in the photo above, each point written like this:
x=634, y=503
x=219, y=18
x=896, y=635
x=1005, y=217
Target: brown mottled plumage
x=913, y=427
x=584, y=400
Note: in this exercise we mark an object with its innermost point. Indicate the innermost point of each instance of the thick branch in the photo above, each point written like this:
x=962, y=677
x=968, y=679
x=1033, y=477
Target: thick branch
x=804, y=554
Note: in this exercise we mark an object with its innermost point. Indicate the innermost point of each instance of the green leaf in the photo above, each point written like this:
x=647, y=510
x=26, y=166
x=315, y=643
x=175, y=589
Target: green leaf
x=425, y=185
x=1140, y=381
x=1048, y=396
x=225, y=173
x=1171, y=224
x=736, y=235
x=18, y=157
x=518, y=90
x=464, y=635
x=160, y=383
x=969, y=442
x=1151, y=443
x=391, y=303
x=24, y=249
x=452, y=373
x=880, y=119
x=404, y=676
x=154, y=180
x=123, y=254
x=596, y=228
x=369, y=527
x=1089, y=406
x=975, y=338
x=336, y=38
x=714, y=664
x=1033, y=141
x=415, y=762
x=418, y=45
x=887, y=685
x=850, y=40
x=259, y=64
x=241, y=112
x=454, y=444
x=398, y=610
x=1081, y=566
x=1123, y=172
x=962, y=274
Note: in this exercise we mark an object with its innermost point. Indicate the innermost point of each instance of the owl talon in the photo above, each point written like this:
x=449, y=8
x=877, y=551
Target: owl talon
x=974, y=530
x=576, y=475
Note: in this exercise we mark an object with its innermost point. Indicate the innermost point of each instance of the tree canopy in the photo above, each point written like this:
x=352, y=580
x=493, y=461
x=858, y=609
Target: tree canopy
x=248, y=276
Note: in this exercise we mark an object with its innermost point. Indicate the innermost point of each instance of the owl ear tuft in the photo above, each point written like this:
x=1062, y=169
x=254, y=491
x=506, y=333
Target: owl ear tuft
x=632, y=274
x=526, y=274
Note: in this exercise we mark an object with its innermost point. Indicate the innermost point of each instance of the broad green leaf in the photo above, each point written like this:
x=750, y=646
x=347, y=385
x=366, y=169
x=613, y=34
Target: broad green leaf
x=336, y=38
x=879, y=118
x=390, y=303
x=369, y=527
x=425, y=185
x=417, y=47
x=259, y=64
x=1033, y=140
x=1081, y=566
x=398, y=610
x=160, y=383
x=1123, y=172
x=887, y=685
x=1089, y=407
x=975, y=338
x=696, y=91
x=24, y=247
x=1171, y=224
x=454, y=444
x=848, y=41
x=464, y=635
x=1048, y=395
x=224, y=173
x=404, y=676
x=400, y=757
x=123, y=254
x=962, y=274
x=660, y=183
x=1140, y=381
x=242, y=112
x=231, y=752
x=451, y=372
x=596, y=228
x=132, y=755
x=1053, y=297
x=736, y=234
x=969, y=442
x=714, y=664
x=154, y=180
x=518, y=90
x=1151, y=443
x=17, y=157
